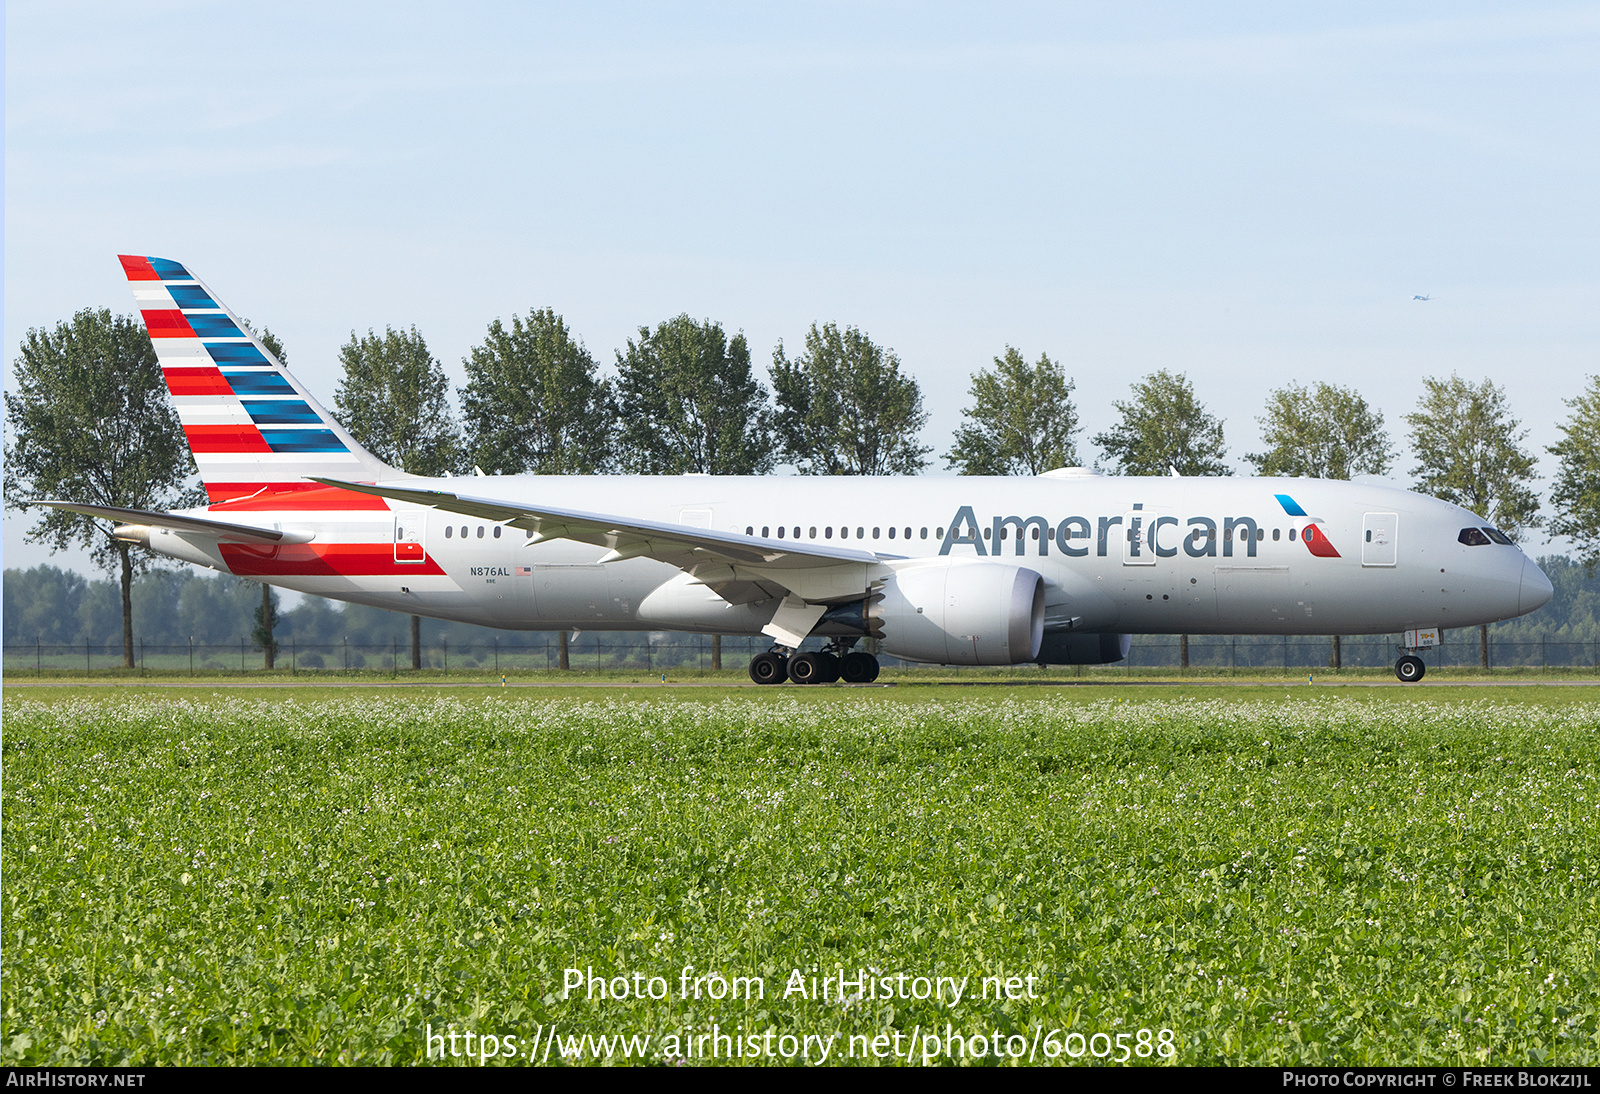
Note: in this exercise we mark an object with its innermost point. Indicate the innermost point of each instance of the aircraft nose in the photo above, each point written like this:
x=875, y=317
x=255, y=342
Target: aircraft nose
x=1536, y=588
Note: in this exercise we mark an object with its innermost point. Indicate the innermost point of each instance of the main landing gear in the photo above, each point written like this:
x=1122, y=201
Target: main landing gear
x=825, y=666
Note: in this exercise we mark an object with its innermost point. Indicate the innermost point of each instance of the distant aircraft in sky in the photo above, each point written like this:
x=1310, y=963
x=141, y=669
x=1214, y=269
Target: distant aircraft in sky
x=1061, y=568
x=1422, y=298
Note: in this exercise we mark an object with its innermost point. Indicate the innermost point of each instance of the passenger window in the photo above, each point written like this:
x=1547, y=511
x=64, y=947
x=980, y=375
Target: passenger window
x=480, y=531
x=860, y=533
x=1035, y=531
x=1291, y=535
x=986, y=532
x=924, y=533
x=496, y=531
x=749, y=531
x=463, y=531
x=1472, y=537
x=797, y=531
x=780, y=531
x=1275, y=532
x=764, y=530
x=813, y=531
x=1369, y=535
x=447, y=531
x=875, y=532
x=891, y=533
x=827, y=533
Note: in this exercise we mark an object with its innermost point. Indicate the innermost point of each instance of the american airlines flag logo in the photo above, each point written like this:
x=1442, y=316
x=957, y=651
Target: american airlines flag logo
x=524, y=571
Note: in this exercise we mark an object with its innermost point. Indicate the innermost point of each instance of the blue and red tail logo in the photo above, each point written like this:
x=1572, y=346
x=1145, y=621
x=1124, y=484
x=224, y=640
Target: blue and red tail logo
x=1315, y=539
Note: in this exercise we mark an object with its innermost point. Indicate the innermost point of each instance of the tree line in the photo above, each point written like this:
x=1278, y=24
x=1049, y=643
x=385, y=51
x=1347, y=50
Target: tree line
x=56, y=607
x=87, y=420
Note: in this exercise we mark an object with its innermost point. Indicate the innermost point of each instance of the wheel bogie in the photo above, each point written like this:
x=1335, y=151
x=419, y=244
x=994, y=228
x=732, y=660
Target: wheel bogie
x=858, y=668
x=769, y=668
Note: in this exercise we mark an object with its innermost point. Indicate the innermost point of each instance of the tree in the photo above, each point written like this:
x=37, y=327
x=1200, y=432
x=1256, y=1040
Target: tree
x=1324, y=432
x=1469, y=453
x=1164, y=429
x=844, y=408
x=1021, y=420
x=263, y=622
x=394, y=400
x=1575, y=494
x=89, y=422
x=688, y=401
x=534, y=403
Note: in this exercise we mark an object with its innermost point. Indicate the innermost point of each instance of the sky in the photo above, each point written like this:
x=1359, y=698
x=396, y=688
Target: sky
x=1251, y=194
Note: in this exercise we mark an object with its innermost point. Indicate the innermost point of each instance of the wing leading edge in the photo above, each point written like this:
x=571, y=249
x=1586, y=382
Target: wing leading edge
x=741, y=569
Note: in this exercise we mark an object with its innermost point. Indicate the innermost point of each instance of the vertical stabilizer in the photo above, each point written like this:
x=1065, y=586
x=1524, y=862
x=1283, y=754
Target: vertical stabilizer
x=252, y=427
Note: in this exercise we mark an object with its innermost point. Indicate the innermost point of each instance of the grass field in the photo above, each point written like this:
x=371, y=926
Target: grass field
x=1274, y=875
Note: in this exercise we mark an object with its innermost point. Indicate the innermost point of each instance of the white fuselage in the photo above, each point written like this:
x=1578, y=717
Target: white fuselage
x=1128, y=555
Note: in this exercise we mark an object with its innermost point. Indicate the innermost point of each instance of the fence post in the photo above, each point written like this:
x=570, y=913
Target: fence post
x=191, y=655
x=38, y=654
x=497, y=654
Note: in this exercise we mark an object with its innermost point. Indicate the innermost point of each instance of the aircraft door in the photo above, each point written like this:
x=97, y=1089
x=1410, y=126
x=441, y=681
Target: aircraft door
x=408, y=533
x=1378, y=547
x=1138, y=547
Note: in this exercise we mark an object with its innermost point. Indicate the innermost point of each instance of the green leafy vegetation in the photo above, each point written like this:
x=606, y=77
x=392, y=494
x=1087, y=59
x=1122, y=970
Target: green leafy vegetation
x=1359, y=878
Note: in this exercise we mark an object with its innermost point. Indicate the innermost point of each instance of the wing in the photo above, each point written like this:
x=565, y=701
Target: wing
x=741, y=569
x=221, y=530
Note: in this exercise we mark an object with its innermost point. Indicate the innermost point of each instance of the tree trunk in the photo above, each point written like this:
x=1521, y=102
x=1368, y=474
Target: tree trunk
x=268, y=621
x=716, y=651
x=416, y=644
x=1483, y=647
x=127, y=605
x=564, y=663
x=1183, y=651
x=1335, y=655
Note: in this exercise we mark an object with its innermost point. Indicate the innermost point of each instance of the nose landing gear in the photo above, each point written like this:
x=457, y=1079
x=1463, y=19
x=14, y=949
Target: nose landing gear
x=1410, y=669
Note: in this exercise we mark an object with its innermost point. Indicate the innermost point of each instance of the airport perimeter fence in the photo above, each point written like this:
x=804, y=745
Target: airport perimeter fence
x=658, y=652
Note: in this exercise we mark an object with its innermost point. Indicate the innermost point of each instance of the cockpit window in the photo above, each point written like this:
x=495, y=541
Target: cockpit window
x=1498, y=536
x=1473, y=537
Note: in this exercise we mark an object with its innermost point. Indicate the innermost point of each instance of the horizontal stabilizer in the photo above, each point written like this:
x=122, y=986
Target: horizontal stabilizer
x=216, y=529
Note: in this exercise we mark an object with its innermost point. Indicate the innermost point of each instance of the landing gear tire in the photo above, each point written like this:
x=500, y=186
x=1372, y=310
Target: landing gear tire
x=806, y=668
x=830, y=667
x=1410, y=669
x=768, y=668
x=859, y=668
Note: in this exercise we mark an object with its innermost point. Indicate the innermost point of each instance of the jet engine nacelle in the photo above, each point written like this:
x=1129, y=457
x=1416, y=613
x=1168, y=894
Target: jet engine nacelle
x=960, y=613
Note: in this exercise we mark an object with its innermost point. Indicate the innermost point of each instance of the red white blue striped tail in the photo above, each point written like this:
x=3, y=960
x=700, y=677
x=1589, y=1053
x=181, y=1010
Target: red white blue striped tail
x=253, y=429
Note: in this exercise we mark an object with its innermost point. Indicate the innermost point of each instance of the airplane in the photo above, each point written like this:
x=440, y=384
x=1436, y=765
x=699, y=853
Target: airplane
x=1062, y=568
x=1422, y=298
